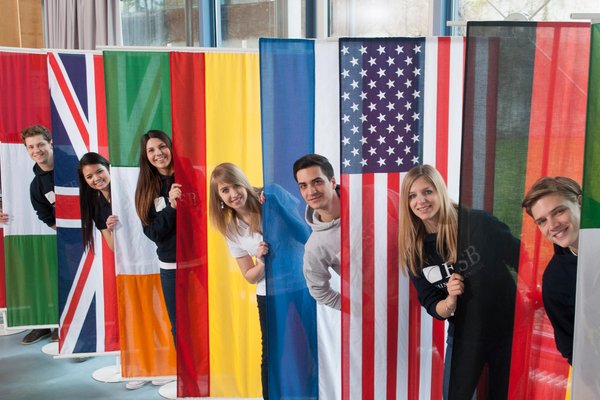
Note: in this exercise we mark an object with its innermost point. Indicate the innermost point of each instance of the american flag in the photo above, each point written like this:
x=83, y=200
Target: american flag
x=381, y=85
x=87, y=294
x=400, y=106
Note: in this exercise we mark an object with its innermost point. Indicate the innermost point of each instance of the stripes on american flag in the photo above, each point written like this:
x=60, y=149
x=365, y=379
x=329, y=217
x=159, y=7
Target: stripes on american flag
x=401, y=105
x=88, y=311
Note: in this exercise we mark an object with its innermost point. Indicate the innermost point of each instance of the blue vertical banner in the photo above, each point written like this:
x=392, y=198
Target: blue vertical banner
x=287, y=70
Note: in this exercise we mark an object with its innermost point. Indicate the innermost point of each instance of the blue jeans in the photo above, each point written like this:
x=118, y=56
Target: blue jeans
x=264, y=370
x=167, y=281
x=447, y=366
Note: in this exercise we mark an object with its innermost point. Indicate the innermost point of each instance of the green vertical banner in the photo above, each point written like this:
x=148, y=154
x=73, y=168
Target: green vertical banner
x=586, y=343
x=138, y=99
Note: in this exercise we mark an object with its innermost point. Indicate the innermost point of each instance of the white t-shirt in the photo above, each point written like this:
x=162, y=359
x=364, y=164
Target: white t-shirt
x=246, y=244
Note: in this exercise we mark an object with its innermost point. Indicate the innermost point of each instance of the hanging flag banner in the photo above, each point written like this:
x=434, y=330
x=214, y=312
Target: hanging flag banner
x=232, y=135
x=216, y=119
x=189, y=147
x=29, y=244
x=87, y=283
x=525, y=99
x=137, y=100
x=293, y=126
x=586, y=352
x=401, y=101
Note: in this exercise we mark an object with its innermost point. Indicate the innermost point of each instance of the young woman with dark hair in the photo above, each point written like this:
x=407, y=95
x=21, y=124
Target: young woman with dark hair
x=156, y=198
x=94, y=199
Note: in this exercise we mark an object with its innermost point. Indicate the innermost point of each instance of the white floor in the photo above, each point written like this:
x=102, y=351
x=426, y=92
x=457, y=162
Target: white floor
x=26, y=373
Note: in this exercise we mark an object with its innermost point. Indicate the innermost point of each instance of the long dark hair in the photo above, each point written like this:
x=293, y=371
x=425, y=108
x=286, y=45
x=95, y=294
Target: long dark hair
x=88, y=198
x=148, y=184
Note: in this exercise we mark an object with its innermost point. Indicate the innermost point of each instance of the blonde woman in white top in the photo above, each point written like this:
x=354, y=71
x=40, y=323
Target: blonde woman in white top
x=236, y=211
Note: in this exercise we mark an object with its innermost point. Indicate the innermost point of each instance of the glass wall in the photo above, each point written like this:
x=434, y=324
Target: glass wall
x=240, y=23
x=233, y=23
x=379, y=17
x=494, y=10
x=153, y=22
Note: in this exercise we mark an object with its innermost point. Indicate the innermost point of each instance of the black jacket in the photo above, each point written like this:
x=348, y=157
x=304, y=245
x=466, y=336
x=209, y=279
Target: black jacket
x=162, y=226
x=102, y=210
x=558, y=293
x=42, y=188
x=488, y=258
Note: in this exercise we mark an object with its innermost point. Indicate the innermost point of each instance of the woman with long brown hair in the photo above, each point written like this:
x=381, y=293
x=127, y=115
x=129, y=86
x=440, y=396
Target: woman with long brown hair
x=156, y=198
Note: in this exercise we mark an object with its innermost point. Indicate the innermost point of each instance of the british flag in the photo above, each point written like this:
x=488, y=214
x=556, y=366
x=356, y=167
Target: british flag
x=86, y=281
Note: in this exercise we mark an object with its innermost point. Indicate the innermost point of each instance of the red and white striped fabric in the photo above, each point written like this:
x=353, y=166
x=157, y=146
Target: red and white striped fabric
x=391, y=348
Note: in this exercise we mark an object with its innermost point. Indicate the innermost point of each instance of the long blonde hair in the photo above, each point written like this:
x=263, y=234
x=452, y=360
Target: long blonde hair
x=412, y=229
x=225, y=218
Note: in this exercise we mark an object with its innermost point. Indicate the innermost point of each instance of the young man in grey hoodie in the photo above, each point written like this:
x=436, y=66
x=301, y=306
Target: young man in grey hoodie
x=314, y=175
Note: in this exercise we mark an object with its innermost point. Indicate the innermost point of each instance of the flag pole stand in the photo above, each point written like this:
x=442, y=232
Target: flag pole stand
x=51, y=349
x=5, y=330
x=169, y=391
x=110, y=374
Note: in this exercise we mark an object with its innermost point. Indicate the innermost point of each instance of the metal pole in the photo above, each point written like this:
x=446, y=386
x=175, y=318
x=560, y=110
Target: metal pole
x=189, y=23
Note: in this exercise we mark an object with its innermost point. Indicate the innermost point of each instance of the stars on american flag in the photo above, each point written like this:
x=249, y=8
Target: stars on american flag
x=381, y=104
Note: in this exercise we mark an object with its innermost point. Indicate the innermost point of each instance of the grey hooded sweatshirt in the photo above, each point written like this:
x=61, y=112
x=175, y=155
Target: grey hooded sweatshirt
x=321, y=252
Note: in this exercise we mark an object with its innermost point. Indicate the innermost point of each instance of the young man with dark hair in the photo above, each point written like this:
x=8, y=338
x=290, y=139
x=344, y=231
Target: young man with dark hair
x=317, y=184
x=38, y=142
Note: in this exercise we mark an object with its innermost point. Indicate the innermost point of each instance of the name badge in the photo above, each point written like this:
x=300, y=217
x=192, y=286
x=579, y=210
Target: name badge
x=51, y=197
x=159, y=203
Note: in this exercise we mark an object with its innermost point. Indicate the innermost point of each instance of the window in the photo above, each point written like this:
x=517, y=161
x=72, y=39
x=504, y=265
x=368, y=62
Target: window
x=153, y=22
x=535, y=10
x=380, y=17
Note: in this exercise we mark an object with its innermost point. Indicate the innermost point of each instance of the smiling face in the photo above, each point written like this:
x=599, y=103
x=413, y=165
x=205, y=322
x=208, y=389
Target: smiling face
x=40, y=151
x=315, y=188
x=424, y=201
x=558, y=219
x=159, y=155
x=233, y=195
x=96, y=176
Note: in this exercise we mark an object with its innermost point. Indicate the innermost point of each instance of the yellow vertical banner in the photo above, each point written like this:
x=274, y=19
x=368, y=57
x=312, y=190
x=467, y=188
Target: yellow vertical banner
x=233, y=134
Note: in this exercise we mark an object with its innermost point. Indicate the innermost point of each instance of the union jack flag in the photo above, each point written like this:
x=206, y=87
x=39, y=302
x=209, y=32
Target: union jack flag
x=86, y=282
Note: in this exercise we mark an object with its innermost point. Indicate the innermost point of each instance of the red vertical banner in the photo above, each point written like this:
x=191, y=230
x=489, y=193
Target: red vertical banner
x=25, y=99
x=2, y=276
x=189, y=144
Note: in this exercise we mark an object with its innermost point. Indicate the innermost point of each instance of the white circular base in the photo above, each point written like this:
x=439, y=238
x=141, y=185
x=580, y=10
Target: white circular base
x=9, y=331
x=169, y=391
x=51, y=349
x=110, y=374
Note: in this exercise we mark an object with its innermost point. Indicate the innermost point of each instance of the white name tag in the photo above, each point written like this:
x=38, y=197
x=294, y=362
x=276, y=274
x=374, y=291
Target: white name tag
x=51, y=197
x=159, y=203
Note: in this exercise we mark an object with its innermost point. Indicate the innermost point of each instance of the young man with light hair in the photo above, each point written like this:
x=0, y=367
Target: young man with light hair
x=554, y=203
x=38, y=142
